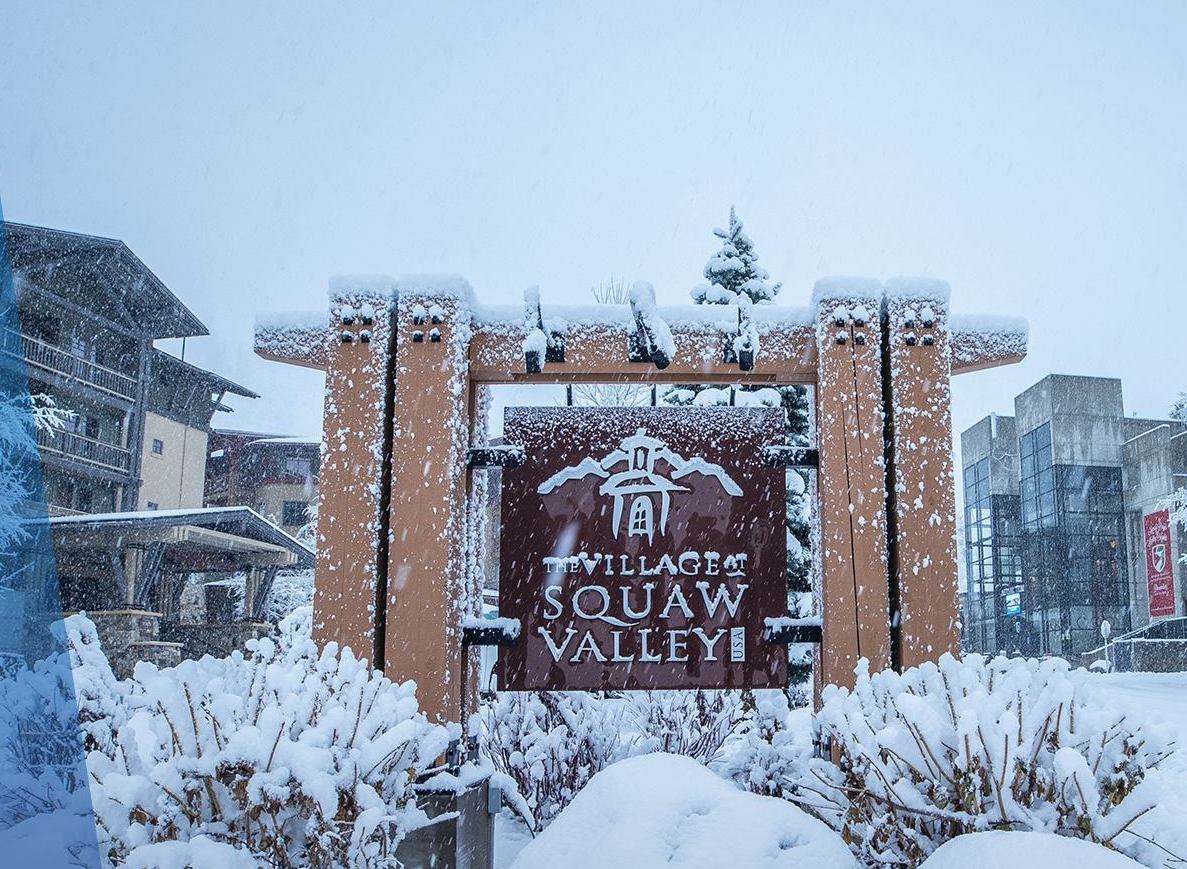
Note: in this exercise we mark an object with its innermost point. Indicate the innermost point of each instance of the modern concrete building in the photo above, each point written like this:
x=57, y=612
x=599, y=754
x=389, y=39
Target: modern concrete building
x=1063, y=501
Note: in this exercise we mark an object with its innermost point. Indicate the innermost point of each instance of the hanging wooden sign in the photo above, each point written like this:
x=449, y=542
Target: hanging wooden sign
x=642, y=548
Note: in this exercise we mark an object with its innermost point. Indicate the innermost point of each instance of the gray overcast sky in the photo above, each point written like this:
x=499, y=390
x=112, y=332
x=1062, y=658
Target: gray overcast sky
x=1034, y=158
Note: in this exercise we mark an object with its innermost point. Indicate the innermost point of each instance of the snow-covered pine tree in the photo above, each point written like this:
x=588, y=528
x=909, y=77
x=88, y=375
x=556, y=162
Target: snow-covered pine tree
x=1179, y=408
x=733, y=271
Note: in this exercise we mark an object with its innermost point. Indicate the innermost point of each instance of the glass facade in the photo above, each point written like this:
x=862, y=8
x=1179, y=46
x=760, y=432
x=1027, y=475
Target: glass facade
x=1047, y=566
x=1073, y=551
x=992, y=559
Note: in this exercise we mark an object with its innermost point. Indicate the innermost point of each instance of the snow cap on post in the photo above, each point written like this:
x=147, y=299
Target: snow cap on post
x=445, y=286
x=841, y=288
x=918, y=290
x=917, y=303
x=360, y=285
x=846, y=299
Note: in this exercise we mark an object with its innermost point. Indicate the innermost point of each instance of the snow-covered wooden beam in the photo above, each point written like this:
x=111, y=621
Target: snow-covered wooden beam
x=591, y=336
x=595, y=335
x=296, y=339
x=978, y=342
x=480, y=631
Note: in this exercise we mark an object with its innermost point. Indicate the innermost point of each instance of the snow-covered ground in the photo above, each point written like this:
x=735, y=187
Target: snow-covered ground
x=635, y=812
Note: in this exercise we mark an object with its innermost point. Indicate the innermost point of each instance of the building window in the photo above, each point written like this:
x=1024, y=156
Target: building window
x=1037, y=478
x=294, y=513
x=158, y=447
x=994, y=567
x=298, y=466
x=153, y=505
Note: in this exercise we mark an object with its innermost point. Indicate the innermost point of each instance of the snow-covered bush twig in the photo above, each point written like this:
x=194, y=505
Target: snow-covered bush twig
x=945, y=749
x=302, y=758
x=550, y=744
x=694, y=724
x=766, y=754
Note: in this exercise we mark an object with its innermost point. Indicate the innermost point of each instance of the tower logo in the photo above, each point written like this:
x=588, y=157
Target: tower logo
x=639, y=489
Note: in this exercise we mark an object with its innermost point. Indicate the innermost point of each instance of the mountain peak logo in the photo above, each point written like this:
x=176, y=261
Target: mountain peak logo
x=639, y=489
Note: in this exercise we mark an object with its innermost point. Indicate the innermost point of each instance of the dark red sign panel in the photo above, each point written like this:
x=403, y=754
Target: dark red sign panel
x=642, y=548
x=1160, y=577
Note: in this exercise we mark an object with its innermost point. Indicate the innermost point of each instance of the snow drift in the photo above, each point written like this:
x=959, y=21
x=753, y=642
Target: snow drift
x=993, y=850
x=662, y=810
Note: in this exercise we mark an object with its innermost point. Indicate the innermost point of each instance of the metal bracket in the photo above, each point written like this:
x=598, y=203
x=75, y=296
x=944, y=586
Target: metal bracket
x=501, y=456
x=786, y=635
x=790, y=457
x=492, y=636
x=643, y=345
x=554, y=347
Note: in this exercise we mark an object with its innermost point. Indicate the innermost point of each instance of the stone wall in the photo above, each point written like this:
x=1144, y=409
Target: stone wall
x=131, y=635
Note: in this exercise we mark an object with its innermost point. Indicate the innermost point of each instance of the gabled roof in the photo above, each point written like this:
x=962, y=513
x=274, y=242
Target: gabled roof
x=99, y=274
x=217, y=382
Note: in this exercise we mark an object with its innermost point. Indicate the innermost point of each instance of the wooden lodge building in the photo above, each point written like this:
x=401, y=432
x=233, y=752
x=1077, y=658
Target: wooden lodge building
x=124, y=472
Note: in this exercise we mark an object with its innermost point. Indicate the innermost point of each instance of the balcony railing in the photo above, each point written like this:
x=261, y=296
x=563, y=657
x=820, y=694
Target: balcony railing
x=88, y=450
x=65, y=364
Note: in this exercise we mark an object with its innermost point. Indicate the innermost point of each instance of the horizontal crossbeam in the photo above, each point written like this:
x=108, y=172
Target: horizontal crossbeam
x=789, y=634
x=492, y=636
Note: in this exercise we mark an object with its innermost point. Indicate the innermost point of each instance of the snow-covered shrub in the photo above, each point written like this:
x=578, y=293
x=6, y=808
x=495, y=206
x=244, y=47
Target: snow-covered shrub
x=765, y=753
x=299, y=757
x=550, y=744
x=978, y=744
x=290, y=591
x=41, y=743
x=694, y=724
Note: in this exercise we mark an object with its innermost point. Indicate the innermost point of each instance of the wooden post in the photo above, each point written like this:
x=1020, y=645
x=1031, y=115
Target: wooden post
x=426, y=593
x=350, y=514
x=923, y=498
x=852, y=480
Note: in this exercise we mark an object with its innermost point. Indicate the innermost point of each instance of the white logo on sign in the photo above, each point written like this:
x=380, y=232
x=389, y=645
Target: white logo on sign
x=648, y=492
x=1158, y=550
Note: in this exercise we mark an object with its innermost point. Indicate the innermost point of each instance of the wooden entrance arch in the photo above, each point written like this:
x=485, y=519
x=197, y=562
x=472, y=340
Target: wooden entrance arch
x=404, y=363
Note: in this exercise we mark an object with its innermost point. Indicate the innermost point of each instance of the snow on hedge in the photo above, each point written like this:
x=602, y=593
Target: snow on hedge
x=292, y=754
x=965, y=746
x=661, y=810
x=1000, y=848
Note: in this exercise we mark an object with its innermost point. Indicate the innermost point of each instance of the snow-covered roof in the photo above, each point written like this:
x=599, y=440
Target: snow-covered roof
x=302, y=440
x=217, y=381
x=85, y=267
x=241, y=521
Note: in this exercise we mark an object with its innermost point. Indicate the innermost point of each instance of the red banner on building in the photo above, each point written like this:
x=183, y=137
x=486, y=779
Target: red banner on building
x=1160, y=577
x=642, y=548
